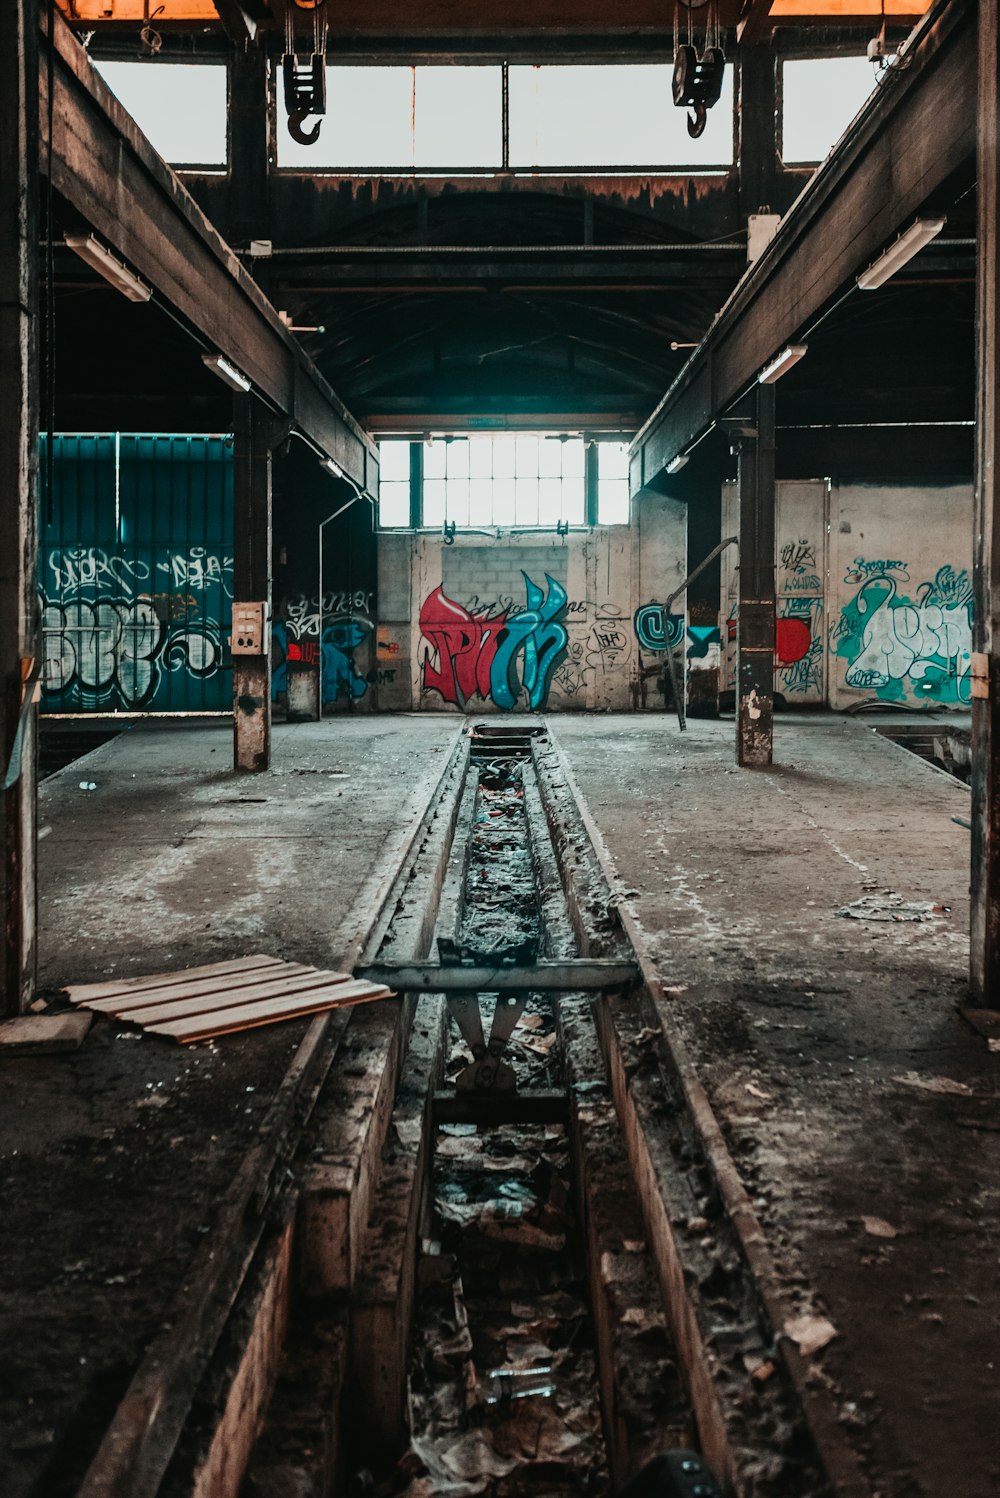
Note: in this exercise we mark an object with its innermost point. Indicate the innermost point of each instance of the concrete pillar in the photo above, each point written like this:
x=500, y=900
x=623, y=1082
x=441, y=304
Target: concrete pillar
x=755, y=624
x=985, y=922
x=19, y=645
x=253, y=440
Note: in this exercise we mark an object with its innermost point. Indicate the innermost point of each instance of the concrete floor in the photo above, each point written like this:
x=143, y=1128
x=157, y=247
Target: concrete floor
x=173, y=861
x=826, y=1042
x=847, y=1085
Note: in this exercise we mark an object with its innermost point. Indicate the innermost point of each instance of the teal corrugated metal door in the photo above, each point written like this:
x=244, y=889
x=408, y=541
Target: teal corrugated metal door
x=136, y=574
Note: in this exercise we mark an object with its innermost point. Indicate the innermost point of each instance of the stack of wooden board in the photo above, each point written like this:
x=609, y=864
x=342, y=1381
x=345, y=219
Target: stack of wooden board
x=201, y=1002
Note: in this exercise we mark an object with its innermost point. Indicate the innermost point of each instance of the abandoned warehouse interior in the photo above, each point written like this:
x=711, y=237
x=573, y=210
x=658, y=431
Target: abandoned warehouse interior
x=501, y=890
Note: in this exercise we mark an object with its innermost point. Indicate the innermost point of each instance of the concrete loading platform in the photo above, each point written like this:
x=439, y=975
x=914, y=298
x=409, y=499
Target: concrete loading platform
x=802, y=938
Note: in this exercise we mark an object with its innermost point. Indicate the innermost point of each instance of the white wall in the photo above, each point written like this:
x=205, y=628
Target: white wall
x=880, y=576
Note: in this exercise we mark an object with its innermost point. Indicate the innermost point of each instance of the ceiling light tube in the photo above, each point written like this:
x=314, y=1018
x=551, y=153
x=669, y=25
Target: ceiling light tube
x=896, y=256
x=782, y=363
x=676, y=464
x=220, y=365
x=109, y=266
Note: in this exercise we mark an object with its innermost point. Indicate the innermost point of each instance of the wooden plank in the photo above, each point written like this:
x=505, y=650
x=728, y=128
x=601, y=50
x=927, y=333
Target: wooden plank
x=208, y=1003
x=35, y=1034
x=269, y=1012
x=169, y=994
x=83, y=993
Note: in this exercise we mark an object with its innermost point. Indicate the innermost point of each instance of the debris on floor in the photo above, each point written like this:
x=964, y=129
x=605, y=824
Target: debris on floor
x=503, y=1382
x=887, y=906
x=199, y=1003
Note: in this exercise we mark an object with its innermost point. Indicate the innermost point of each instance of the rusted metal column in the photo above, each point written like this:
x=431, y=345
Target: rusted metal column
x=18, y=493
x=253, y=440
x=755, y=624
x=985, y=922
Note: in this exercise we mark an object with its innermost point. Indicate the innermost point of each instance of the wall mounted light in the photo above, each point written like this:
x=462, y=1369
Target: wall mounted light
x=109, y=266
x=896, y=256
x=676, y=464
x=220, y=365
x=782, y=363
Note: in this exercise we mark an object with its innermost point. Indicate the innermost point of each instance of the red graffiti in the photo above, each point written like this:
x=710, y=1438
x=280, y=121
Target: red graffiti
x=792, y=639
x=464, y=645
x=303, y=650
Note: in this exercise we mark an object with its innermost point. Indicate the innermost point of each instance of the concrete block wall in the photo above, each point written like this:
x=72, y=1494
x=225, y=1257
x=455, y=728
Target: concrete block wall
x=524, y=622
x=874, y=586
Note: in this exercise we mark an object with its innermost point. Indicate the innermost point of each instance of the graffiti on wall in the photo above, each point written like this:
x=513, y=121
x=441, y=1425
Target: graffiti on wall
x=118, y=625
x=900, y=644
x=121, y=647
x=347, y=625
x=503, y=655
x=798, y=563
x=799, y=647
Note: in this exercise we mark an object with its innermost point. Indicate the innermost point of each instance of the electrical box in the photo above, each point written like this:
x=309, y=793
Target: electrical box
x=251, y=634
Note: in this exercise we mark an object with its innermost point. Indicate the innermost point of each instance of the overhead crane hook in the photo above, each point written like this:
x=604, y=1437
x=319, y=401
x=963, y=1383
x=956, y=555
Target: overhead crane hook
x=305, y=80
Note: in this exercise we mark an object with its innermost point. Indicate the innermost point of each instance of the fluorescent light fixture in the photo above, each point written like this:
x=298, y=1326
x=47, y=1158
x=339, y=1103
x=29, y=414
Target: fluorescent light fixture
x=895, y=257
x=109, y=266
x=332, y=467
x=782, y=363
x=676, y=464
x=220, y=365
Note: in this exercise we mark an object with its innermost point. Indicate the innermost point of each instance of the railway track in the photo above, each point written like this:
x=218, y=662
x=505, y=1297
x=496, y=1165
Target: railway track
x=490, y=1239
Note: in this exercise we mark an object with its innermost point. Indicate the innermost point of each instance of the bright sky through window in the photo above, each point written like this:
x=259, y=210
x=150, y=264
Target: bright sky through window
x=612, y=483
x=394, y=483
x=821, y=96
x=181, y=107
x=610, y=116
x=404, y=118
x=450, y=118
x=504, y=482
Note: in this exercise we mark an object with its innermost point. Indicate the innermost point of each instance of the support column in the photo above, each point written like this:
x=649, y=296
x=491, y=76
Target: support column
x=984, y=972
x=755, y=626
x=701, y=487
x=18, y=491
x=254, y=438
x=758, y=140
x=249, y=151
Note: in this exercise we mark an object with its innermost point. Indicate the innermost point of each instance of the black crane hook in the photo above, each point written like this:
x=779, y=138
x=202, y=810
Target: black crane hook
x=297, y=132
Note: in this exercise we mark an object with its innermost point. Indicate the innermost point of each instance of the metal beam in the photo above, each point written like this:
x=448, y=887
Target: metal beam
x=589, y=975
x=754, y=21
x=984, y=946
x=106, y=168
x=912, y=136
x=19, y=648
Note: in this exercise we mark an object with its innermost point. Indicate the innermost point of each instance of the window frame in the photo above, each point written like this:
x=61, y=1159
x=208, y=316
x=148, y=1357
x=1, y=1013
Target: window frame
x=590, y=521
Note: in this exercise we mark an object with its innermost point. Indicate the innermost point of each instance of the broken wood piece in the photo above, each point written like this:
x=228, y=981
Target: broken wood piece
x=198, y=1003
x=227, y=998
x=127, y=1005
x=38, y=1034
x=268, y=1011
x=86, y=993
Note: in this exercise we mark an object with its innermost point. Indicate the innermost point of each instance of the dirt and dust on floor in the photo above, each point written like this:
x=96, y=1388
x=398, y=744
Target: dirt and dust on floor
x=809, y=924
x=113, y=1156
